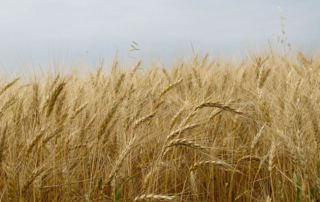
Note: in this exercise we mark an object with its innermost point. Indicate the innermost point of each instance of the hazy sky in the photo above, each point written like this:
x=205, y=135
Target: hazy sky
x=100, y=27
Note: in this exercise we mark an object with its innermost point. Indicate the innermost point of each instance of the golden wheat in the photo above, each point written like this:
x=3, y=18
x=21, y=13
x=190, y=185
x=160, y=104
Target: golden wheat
x=68, y=137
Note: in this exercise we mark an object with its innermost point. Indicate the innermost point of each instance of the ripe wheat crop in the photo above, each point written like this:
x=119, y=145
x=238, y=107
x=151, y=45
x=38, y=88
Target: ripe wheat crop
x=200, y=130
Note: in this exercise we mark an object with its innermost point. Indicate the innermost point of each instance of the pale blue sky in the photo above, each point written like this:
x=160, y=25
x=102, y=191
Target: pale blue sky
x=159, y=26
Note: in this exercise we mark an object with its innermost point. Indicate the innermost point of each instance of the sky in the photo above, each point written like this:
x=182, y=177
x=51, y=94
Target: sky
x=36, y=30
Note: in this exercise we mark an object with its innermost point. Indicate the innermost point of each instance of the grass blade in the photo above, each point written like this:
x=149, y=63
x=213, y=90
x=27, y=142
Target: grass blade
x=297, y=185
x=117, y=197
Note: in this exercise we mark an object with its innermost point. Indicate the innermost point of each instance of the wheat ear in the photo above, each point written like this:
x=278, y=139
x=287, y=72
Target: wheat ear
x=7, y=104
x=135, y=68
x=33, y=144
x=33, y=176
x=206, y=163
x=257, y=137
x=143, y=119
x=6, y=87
x=146, y=182
x=153, y=197
x=164, y=91
x=174, y=119
x=180, y=131
x=271, y=157
x=107, y=119
x=203, y=62
x=56, y=132
x=53, y=98
x=119, y=82
x=78, y=110
x=167, y=75
x=120, y=161
x=183, y=142
x=11, y=187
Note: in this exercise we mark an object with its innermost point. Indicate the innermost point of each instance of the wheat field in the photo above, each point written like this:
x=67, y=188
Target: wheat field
x=201, y=129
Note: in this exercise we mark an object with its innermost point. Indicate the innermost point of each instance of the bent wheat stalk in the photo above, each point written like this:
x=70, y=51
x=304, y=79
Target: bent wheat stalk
x=218, y=105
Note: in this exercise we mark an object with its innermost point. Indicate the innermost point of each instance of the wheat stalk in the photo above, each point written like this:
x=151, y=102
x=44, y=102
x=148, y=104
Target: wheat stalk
x=175, y=117
x=3, y=143
x=218, y=105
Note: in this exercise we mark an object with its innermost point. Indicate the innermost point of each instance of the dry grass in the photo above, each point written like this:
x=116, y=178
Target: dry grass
x=202, y=130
